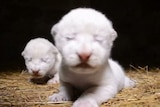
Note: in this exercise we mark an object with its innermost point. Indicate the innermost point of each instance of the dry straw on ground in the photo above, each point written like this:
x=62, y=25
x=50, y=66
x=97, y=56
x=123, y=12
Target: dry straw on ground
x=17, y=91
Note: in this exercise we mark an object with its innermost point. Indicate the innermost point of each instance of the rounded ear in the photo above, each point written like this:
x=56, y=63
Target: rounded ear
x=113, y=35
x=23, y=53
x=54, y=30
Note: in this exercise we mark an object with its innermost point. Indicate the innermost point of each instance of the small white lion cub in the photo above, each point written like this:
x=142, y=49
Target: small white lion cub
x=84, y=38
x=42, y=60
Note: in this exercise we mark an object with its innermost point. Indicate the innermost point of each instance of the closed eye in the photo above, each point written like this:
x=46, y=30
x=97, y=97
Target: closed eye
x=28, y=59
x=44, y=59
x=71, y=36
x=99, y=39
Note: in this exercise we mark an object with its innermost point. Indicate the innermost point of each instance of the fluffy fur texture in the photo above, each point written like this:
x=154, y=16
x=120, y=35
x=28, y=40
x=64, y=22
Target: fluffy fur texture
x=85, y=37
x=42, y=60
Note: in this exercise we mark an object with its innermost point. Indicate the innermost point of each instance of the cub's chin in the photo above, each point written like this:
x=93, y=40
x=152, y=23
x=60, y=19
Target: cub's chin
x=83, y=68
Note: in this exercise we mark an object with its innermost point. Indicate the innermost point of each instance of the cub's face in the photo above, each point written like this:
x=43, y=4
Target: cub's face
x=84, y=42
x=39, y=66
x=39, y=58
x=84, y=50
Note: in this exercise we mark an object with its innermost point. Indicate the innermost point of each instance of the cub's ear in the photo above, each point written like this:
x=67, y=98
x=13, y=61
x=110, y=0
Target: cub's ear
x=54, y=30
x=113, y=34
x=23, y=53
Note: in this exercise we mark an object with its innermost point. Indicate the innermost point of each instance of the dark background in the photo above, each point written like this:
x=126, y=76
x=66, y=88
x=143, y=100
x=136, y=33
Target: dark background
x=136, y=21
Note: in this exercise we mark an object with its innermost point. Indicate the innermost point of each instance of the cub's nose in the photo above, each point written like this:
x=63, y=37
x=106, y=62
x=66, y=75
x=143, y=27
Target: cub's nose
x=35, y=72
x=84, y=57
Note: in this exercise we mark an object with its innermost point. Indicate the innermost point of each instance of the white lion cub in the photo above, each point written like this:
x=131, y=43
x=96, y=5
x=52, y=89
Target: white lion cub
x=42, y=60
x=84, y=37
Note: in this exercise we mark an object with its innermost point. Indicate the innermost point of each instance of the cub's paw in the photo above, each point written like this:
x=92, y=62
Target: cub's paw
x=58, y=97
x=85, y=103
x=54, y=80
x=129, y=83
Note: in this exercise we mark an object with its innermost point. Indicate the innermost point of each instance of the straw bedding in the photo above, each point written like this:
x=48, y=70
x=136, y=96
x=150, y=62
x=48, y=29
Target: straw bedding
x=17, y=91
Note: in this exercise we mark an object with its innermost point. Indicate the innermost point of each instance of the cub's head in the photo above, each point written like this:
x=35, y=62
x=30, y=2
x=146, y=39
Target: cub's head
x=84, y=37
x=40, y=57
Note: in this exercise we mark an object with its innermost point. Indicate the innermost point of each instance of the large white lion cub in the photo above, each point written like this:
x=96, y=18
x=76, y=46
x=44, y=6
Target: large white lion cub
x=85, y=37
x=42, y=60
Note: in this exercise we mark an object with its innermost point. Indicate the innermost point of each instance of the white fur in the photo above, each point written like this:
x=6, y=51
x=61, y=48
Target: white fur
x=80, y=33
x=42, y=57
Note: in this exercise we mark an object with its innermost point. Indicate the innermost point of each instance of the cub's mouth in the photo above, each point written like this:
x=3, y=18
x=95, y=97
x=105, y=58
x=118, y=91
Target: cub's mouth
x=83, y=65
x=36, y=75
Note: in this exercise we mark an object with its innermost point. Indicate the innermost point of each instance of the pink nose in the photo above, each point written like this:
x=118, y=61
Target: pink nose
x=84, y=57
x=35, y=72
